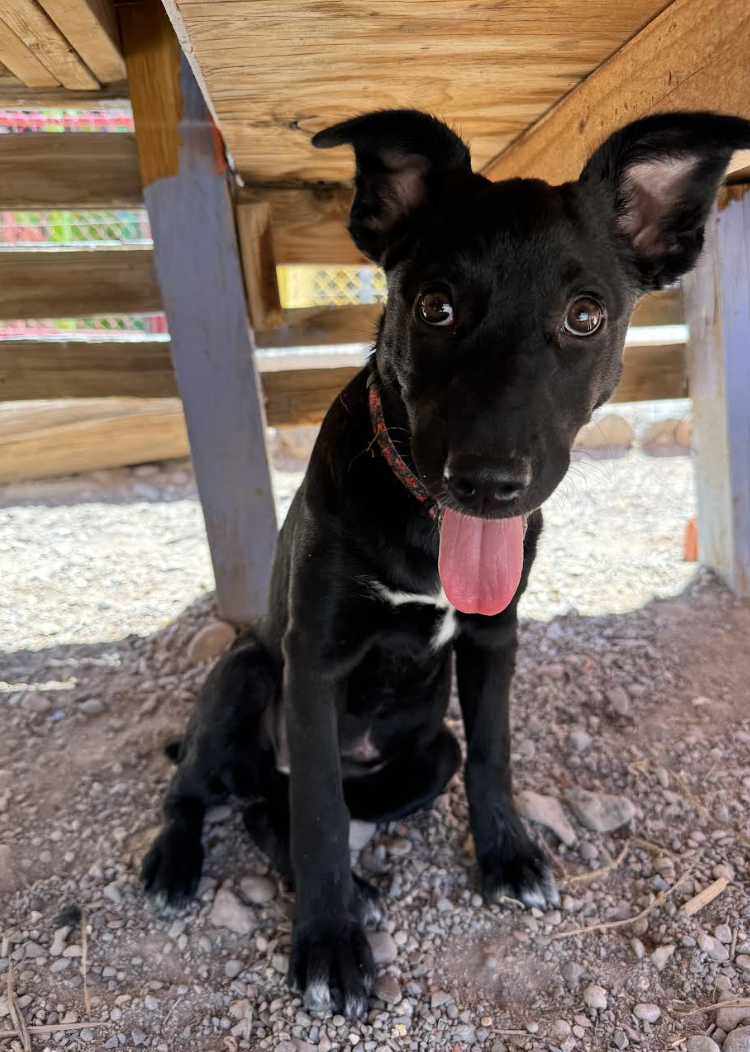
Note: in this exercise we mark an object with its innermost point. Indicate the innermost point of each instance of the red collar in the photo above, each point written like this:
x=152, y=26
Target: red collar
x=393, y=459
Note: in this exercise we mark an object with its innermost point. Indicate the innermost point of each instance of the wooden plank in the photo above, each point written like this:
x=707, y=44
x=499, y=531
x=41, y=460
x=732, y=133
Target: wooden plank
x=22, y=62
x=717, y=301
x=320, y=326
x=41, y=36
x=72, y=283
x=85, y=170
x=259, y=264
x=309, y=224
x=91, y=27
x=77, y=439
x=15, y=94
x=197, y=260
x=652, y=373
x=695, y=55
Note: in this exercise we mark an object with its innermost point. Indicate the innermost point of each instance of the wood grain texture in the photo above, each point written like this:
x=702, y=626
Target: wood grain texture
x=14, y=93
x=277, y=73
x=74, y=283
x=85, y=170
x=197, y=261
x=90, y=26
x=695, y=55
x=309, y=224
x=717, y=302
x=255, y=235
x=22, y=61
x=42, y=37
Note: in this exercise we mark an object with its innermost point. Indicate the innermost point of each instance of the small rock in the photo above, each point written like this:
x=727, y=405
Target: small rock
x=661, y=956
x=742, y=960
x=138, y=1037
x=559, y=1031
x=384, y=949
x=618, y=701
x=599, y=811
x=466, y=1033
x=360, y=834
x=723, y=933
x=638, y=948
x=730, y=1018
x=647, y=1013
x=9, y=878
x=595, y=997
x=210, y=641
x=35, y=703
x=580, y=740
x=113, y=893
x=228, y=912
x=92, y=706
x=439, y=998
x=386, y=988
x=620, y=1039
x=701, y=1043
x=58, y=942
x=151, y=1003
x=399, y=847
x=233, y=968
x=546, y=811
x=257, y=890
x=714, y=949
x=738, y=1040
x=286, y=1046
x=610, y=435
x=572, y=973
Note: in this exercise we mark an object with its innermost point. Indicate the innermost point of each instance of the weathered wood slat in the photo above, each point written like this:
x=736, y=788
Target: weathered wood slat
x=41, y=36
x=85, y=170
x=299, y=394
x=70, y=283
x=90, y=26
x=694, y=55
x=255, y=234
x=22, y=61
x=309, y=224
x=15, y=93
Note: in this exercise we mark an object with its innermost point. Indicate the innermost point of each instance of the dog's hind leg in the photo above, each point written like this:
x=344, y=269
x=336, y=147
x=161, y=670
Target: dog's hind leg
x=225, y=750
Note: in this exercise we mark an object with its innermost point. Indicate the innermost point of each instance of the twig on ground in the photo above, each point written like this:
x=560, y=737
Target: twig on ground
x=85, y=962
x=703, y=898
x=581, y=878
x=55, y=1028
x=16, y=1015
x=609, y=925
x=740, y=1002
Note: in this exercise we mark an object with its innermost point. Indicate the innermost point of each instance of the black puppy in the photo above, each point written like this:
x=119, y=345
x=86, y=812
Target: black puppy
x=412, y=535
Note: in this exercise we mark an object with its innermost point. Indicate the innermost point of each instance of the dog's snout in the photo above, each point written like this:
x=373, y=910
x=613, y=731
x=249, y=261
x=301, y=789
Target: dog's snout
x=485, y=487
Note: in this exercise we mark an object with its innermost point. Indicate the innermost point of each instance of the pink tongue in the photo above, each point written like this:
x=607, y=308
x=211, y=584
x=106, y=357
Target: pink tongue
x=480, y=561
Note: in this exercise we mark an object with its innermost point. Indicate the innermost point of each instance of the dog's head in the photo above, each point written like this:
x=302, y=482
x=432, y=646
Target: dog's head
x=508, y=303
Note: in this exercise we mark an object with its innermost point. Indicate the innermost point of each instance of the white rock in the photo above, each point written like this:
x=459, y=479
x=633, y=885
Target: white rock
x=660, y=957
x=600, y=812
x=258, y=890
x=701, y=1043
x=546, y=811
x=384, y=949
x=647, y=1013
x=730, y=1018
x=714, y=949
x=595, y=997
x=611, y=434
x=228, y=912
x=738, y=1040
x=210, y=641
x=580, y=740
x=92, y=706
x=360, y=834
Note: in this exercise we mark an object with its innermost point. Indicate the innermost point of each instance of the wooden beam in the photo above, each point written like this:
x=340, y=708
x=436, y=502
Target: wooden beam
x=85, y=170
x=694, y=55
x=259, y=264
x=309, y=224
x=41, y=36
x=15, y=94
x=22, y=62
x=197, y=260
x=91, y=27
x=72, y=283
x=717, y=301
x=652, y=373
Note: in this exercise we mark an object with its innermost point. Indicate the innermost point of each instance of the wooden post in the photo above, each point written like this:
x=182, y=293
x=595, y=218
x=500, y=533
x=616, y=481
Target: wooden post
x=186, y=191
x=717, y=304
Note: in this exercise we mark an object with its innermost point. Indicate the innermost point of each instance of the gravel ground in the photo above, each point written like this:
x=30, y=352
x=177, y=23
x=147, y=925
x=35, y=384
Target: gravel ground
x=632, y=724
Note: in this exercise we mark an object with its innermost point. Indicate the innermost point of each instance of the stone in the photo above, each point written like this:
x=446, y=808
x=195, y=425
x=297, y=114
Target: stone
x=620, y=1039
x=647, y=1013
x=257, y=890
x=580, y=740
x=360, y=834
x=714, y=949
x=439, y=998
x=611, y=435
x=559, y=1031
x=738, y=1040
x=233, y=968
x=386, y=988
x=210, y=641
x=742, y=961
x=618, y=701
x=286, y=1046
x=701, y=1043
x=35, y=703
x=228, y=912
x=660, y=437
x=465, y=1033
x=572, y=973
x=92, y=706
x=9, y=877
x=660, y=957
x=595, y=997
x=723, y=933
x=730, y=1018
x=546, y=811
x=683, y=433
x=384, y=949
x=600, y=812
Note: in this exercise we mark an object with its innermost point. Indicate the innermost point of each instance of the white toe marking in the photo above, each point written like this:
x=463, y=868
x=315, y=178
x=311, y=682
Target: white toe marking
x=318, y=996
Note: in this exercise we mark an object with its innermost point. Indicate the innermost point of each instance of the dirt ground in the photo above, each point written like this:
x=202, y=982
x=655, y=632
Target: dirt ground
x=619, y=694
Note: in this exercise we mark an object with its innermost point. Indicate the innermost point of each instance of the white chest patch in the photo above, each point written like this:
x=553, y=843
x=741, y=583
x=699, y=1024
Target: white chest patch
x=446, y=627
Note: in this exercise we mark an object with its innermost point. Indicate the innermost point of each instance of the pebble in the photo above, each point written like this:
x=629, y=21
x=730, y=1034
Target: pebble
x=595, y=997
x=360, y=834
x=572, y=973
x=647, y=1013
x=233, y=968
x=228, y=912
x=620, y=1039
x=399, y=847
x=738, y=1040
x=701, y=1043
x=440, y=997
x=386, y=988
x=36, y=703
x=210, y=641
x=661, y=956
x=730, y=1018
x=559, y=1031
x=618, y=701
x=257, y=890
x=546, y=811
x=600, y=812
x=92, y=706
x=580, y=740
x=714, y=949
x=286, y=1046
x=742, y=961
x=9, y=878
x=384, y=949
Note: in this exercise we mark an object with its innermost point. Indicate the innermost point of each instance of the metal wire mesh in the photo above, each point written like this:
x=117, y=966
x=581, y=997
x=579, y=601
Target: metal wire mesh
x=310, y=286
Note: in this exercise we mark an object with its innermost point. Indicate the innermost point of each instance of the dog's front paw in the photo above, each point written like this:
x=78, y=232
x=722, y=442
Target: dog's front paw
x=520, y=871
x=171, y=869
x=332, y=966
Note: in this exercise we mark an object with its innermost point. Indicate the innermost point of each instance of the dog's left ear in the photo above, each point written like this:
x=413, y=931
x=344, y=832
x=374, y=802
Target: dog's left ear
x=403, y=158
x=663, y=173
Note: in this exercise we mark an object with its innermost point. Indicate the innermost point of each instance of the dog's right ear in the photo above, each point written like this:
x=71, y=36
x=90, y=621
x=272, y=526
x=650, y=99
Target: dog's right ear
x=403, y=158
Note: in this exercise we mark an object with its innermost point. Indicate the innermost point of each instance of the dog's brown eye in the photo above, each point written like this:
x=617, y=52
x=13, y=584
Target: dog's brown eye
x=585, y=315
x=435, y=308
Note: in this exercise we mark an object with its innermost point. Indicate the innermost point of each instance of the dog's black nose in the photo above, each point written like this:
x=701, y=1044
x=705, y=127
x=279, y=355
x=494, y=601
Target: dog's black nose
x=481, y=487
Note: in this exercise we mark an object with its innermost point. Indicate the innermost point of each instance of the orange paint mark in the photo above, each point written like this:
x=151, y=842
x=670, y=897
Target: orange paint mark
x=691, y=541
x=220, y=158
